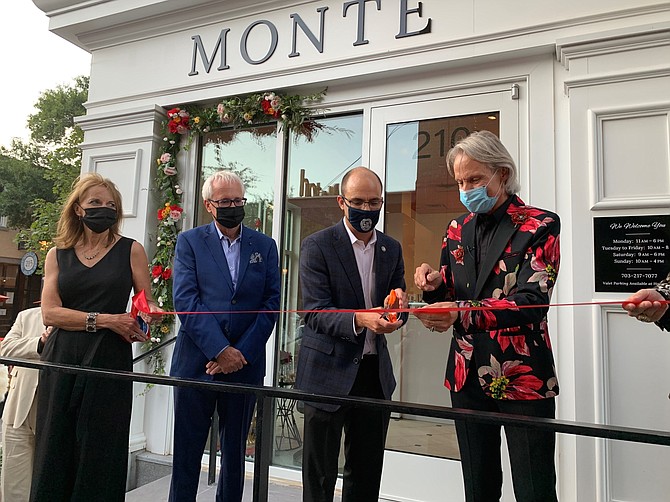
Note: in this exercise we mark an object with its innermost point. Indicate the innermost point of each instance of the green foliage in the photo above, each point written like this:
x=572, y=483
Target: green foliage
x=21, y=181
x=53, y=152
x=56, y=110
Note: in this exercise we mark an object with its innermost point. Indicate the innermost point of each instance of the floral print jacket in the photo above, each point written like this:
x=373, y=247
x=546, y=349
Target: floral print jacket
x=663, y=287
x=506, y=342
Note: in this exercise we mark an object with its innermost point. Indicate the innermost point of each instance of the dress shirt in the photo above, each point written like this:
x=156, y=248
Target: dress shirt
x=365, y=257
x=232, y=251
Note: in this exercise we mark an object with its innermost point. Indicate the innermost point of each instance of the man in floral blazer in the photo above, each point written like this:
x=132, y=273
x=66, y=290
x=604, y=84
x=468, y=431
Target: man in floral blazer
x=500, y=258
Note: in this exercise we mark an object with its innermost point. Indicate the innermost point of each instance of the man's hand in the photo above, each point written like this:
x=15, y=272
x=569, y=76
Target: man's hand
x=396, y=299
x=375, y=322
x=229, y=361
x=645, y=305
x=427, y=278
x=440, y=321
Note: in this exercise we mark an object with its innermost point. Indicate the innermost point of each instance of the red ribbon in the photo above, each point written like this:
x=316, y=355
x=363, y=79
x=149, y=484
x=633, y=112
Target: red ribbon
x=140, y=304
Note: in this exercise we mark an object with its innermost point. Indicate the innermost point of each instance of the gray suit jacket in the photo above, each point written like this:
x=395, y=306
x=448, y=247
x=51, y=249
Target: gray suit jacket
x=21, y=343
x=330, y=351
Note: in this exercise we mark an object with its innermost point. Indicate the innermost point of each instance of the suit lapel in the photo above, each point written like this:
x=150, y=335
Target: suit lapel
x=345, y=253
x=468, y=243
x=382, y=266
x=246, y=246
x=213, y=243
x=504, y=232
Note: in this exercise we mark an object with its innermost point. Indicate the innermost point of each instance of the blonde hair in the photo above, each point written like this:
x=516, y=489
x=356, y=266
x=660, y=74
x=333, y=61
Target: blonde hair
x=70, y=227
x=486, y=147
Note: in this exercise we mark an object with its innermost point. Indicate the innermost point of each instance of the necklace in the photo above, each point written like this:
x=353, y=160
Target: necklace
x=92, y=257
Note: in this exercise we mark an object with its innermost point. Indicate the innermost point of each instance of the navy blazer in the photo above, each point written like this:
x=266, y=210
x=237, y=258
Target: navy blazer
x=202, y=283
x=330, y=351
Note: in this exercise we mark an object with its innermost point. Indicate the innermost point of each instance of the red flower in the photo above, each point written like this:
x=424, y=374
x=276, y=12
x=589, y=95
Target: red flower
x=545, y=262
x=509, y=381
x=454, y=231
x=460, y=372
x=458, y=254
x=156, y=271
x=179, y=121
x=268, y=109
x=526, y=218
x=167, y=273
x=484, y=319
x=518, y=342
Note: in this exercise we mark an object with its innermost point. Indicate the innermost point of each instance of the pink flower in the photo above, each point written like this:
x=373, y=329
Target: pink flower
x=169, y=171
x=165, y=158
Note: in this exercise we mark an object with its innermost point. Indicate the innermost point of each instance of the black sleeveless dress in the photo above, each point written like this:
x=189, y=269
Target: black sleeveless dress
x=83, y=423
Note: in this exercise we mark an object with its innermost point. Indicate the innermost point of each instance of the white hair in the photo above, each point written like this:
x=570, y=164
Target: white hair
x=486, y=147
x=223, y=176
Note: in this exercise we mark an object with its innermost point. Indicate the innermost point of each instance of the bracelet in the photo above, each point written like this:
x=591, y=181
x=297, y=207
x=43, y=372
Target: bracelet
x=663, y=289
x=91, y=319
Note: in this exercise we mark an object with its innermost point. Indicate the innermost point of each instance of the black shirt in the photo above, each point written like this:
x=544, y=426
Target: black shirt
x=485, y=229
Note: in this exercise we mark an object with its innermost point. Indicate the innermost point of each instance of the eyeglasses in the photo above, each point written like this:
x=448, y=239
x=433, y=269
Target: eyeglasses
x=373, y=204
x=228, y=202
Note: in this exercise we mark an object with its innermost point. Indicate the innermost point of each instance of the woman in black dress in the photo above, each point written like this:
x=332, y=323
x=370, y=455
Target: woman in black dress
x=83, y=423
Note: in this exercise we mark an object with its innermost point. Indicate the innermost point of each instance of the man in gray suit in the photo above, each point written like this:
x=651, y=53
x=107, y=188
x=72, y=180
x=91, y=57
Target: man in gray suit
x=24, y=341
x=348, y=266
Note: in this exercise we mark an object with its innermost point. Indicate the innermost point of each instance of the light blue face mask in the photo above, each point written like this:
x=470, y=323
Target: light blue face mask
x=477, y=200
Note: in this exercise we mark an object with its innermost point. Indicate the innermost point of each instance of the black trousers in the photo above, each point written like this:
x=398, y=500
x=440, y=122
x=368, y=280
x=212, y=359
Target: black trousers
x=531, y=451
x=364, y=440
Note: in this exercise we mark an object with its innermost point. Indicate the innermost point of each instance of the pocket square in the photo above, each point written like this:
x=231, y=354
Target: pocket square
x=256, y=258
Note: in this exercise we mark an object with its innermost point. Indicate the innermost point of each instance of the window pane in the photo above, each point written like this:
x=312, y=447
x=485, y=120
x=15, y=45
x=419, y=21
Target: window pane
x=251, y=154
x=313, y=178
x=421, y=199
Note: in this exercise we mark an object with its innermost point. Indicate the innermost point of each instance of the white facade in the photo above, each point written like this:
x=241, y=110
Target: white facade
x=583, y=90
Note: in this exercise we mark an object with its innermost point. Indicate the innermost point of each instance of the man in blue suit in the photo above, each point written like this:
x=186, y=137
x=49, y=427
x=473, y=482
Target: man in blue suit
x=220, y=267
x=348, y=266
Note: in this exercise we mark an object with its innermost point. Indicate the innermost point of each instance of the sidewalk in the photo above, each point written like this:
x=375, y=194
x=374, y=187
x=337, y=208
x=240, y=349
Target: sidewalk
x=157, y=491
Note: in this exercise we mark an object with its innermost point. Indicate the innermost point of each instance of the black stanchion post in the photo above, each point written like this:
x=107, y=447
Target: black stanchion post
x=213, y=442
x=263, y=451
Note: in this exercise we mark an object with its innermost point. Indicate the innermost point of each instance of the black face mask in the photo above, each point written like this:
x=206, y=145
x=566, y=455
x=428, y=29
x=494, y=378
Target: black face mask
x=362, y=220
x=99, y=219
x=230, y=217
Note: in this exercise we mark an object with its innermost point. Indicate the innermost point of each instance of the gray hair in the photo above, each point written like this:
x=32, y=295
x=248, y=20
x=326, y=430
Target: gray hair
x=223, y=176
x=486, y=147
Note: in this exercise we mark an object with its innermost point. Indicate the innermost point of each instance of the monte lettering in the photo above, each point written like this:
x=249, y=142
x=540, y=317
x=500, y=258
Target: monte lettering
x=307, y=31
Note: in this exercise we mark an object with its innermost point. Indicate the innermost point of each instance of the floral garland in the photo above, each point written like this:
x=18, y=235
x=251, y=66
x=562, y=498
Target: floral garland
x=183, y=124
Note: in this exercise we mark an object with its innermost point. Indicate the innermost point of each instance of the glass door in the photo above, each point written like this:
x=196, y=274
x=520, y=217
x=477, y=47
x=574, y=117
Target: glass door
x=408, y=146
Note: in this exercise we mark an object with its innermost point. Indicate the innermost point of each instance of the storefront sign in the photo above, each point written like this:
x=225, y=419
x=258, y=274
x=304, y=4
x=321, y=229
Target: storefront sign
x=631, y=252
x=265, y=30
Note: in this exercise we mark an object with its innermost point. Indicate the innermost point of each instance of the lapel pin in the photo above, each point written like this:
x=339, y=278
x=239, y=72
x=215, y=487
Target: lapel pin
x=384, y=249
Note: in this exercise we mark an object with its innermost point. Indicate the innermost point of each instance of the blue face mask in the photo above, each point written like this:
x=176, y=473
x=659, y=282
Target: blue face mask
x=362, y=220
x=478, y=200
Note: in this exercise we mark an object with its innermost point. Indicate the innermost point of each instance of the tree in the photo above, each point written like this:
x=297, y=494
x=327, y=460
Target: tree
x=21, y=182
x=53, y=149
